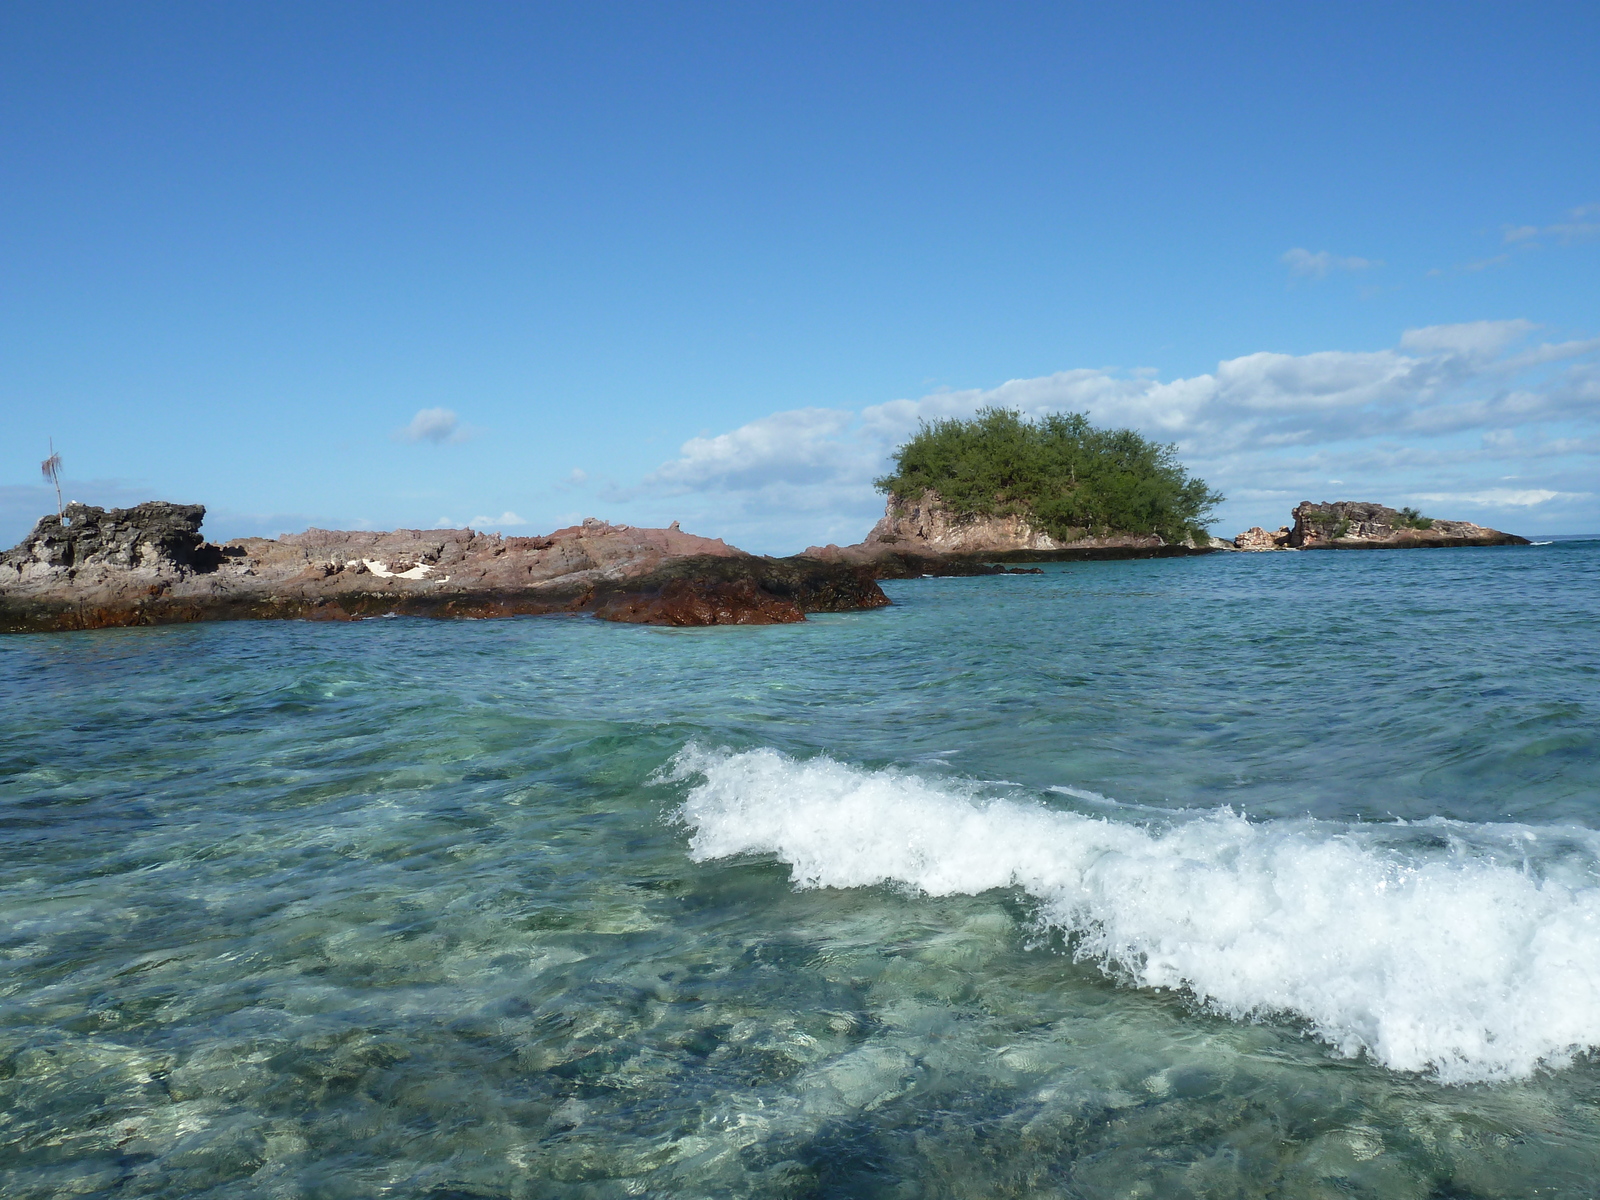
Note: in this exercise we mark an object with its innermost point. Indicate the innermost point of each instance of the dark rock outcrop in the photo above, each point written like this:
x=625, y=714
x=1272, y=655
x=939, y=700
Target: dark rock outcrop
x=739, y=591
x=155, y=535
x=1354, y=525
x=149, y=565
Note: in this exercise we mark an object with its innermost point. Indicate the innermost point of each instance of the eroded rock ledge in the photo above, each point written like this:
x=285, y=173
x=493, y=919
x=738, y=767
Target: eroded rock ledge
x=921, y=536
x=1357, y=525
x=149, y=565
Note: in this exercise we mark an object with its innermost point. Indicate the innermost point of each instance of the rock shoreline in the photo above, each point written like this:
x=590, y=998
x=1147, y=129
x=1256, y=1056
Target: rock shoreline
x=149, y=565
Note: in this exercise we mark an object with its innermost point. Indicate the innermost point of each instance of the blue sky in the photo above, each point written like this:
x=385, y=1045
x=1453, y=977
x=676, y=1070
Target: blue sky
x=510, y=265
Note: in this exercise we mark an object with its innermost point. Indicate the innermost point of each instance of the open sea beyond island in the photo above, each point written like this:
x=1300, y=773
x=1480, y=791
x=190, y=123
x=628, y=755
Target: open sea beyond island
x=1238, y=875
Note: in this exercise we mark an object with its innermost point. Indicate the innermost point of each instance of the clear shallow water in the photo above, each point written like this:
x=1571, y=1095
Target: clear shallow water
x=943, y=900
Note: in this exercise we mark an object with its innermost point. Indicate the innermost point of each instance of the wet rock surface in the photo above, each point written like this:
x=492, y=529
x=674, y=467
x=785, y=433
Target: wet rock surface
x=150, y=565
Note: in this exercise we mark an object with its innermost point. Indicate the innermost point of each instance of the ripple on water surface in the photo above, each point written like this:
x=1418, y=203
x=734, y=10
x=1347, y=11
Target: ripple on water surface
x=411, y=908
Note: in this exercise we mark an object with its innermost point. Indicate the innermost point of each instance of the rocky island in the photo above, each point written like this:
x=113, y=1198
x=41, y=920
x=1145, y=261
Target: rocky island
x=924, y=535
x=1355, y=525
x=967, y=495
x=965, y=498
x=149, y=565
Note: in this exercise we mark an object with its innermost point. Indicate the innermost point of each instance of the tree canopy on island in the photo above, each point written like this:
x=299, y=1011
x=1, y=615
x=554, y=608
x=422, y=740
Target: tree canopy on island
x=1067, y=476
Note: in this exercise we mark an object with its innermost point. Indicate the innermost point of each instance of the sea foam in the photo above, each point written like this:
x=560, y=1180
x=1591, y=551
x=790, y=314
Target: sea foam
x=1468, y=952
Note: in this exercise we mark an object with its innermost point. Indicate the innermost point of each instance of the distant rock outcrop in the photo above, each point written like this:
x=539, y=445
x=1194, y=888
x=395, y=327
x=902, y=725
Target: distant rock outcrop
x=150, y=565
x=1257, y=538
x=925, y=525
x=921, y=535
x=1355, y=525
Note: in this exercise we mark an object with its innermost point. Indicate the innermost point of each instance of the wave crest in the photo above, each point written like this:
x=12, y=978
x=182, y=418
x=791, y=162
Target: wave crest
x=1471, y=952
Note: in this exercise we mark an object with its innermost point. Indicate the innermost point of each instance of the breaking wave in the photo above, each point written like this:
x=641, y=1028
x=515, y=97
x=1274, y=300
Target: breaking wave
x=1467, y=951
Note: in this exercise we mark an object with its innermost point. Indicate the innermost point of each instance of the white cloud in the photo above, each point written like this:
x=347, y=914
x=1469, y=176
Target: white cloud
x=571, y=481
x=1574, y=231
x=1319, y=265
x=1578, y=227
x=1500, y=497
x=1467, y=268
x=436, y=425
x=504, y=520
x=1429, y=417
x=1472, y=339
x=802, y=445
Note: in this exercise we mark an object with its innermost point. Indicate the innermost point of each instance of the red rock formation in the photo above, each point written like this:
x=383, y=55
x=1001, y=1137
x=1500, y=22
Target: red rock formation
x=149, y=565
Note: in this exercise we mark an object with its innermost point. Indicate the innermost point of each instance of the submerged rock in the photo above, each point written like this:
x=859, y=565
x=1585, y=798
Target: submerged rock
x=150, y=565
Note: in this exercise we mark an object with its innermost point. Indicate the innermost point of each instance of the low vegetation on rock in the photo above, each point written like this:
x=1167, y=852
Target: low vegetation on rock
x=1356, y=524
x=1066, y=476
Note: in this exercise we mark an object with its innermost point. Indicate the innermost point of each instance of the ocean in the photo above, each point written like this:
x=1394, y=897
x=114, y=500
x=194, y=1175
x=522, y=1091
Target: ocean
x=1242, y=875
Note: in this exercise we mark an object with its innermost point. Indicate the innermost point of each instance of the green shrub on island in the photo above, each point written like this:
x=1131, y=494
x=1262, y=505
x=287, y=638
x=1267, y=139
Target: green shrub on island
x=1068, y=477
x=1410, y=518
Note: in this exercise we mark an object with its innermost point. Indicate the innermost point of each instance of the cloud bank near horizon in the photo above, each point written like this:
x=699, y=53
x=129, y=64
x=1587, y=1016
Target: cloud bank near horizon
x=1478, y=420
x=1484, y=420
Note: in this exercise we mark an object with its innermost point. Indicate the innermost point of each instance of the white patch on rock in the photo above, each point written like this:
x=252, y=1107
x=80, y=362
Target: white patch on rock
x=380, y=569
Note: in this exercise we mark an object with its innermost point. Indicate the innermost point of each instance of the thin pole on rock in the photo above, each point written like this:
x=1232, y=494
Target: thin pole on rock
x=50, y=468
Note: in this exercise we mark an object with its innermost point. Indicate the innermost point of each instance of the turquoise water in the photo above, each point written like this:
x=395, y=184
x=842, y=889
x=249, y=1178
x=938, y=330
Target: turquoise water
x=1257, y=875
